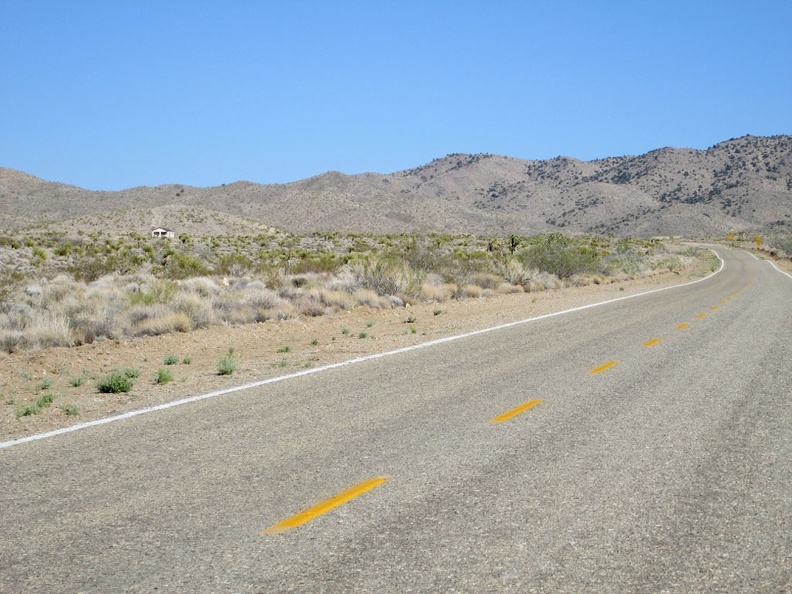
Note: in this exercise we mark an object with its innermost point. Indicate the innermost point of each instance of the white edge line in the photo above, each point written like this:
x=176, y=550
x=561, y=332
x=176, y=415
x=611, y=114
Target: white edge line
x=282, y=378
x=773, y=264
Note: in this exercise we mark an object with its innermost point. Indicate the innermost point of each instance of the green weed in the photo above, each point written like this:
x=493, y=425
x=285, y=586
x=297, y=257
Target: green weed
x=115, y=383
x=163, y=376
x=70, y=410
x=227, y=364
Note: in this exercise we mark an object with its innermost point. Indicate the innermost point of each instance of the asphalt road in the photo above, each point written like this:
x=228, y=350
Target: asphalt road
x=668, y=471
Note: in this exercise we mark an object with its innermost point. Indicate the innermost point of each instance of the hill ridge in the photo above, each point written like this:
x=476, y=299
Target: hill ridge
x=740, y=184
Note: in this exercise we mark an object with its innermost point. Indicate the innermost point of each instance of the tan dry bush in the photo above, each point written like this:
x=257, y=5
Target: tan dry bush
x=312, y=309
x=274, y=278
x=171, y=322
x=10, y=340
x=437, y=293
x=472, y=291
x=290, y=292
x=580, y=280
x=371, y=299
x=542, y=281
x=284, y=312
x=515, y=272
x=200, y=285
x=197, y=307
x=156, y=319
x=115, y=282
x=48, y=328
x=262, y=297
x=244, y=314
x=107, y=313
x=308, y=280
x=664, y=262
x=344, y=281
x=508, y=289
x=17, y=317
x=383, y=277
x=338, y=300
x=485, y=280
x=60, y=288
x=232, y=309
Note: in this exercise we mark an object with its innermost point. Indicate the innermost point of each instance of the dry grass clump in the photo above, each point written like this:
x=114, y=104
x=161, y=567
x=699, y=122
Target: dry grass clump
x=508, y=289
x=156, y=319
x=470, y=291
x=48, y=328
x=344, y=281
x=334, y=299
x=438, y=292
x=542, y=281
x=485, y=280
x=198, y=309
x=385, y=277
x=11, y=340
x=200, y=285
x=370, y=298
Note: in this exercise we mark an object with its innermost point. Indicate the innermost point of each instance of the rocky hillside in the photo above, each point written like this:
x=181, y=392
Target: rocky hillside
x=743, y=184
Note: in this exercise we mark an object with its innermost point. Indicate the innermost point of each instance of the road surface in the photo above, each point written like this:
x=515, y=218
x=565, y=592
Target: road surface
x=643, y=445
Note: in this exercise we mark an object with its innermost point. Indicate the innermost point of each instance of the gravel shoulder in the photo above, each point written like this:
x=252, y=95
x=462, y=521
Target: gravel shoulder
x=268, y=349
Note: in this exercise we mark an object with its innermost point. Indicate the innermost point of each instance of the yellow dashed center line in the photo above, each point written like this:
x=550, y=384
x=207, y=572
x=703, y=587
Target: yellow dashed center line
x=683, y=326
x=652, y=342
x=701, y=315
x=325, y=506
x=714, y=308
x=605, y=367
x=516, y=411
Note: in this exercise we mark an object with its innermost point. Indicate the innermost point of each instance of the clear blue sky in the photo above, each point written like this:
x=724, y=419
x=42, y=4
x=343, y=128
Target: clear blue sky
x=111, y=94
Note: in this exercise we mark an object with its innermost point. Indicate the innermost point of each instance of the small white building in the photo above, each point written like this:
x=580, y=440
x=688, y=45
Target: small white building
x=163, y=232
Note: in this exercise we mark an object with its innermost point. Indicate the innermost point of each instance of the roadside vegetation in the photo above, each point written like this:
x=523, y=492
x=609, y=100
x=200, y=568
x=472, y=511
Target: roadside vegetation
x=66, y=291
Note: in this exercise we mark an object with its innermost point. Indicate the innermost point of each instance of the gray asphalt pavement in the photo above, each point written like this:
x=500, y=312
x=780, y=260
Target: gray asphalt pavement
x=670, y=471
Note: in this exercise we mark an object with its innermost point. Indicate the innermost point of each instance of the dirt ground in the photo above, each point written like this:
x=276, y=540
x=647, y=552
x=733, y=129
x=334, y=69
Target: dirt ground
x=272, y=348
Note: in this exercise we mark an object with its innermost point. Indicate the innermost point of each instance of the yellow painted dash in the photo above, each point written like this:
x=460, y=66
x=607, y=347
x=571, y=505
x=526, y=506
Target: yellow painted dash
x=701, y=315
x=516, y=411
x=714, y=307
x=652, y=342
x=325, y=506
x=605, y=367
x=683, y=326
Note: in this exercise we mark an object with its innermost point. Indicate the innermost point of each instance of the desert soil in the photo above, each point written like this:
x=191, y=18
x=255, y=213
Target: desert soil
x=261, y=350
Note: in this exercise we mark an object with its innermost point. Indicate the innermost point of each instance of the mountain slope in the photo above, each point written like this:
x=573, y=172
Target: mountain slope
x=741, y=184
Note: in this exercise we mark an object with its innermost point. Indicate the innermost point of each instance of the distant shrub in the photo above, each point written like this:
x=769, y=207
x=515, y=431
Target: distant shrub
x=560, y=256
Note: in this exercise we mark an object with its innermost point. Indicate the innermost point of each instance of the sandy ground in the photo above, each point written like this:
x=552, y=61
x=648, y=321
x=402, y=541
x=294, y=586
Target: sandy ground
x=263, y=350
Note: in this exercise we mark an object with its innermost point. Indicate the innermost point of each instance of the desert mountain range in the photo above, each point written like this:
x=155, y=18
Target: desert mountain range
x=742, y=184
